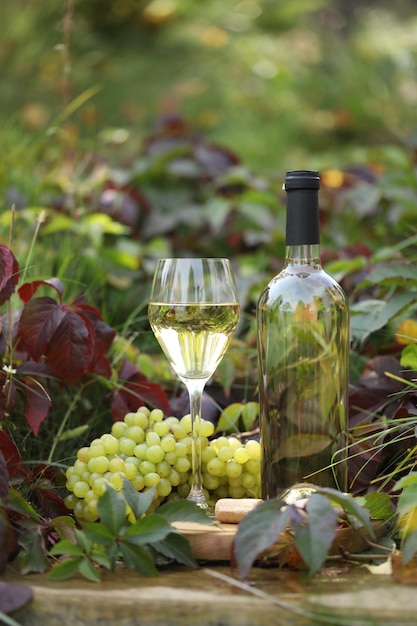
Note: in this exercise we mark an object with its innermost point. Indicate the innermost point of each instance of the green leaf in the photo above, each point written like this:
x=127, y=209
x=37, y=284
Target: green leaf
x=258, y=530
x=405, y=481
x=409, y=357
x=97, y=531
x=349, y=504
x=67, y=548
x=230, y=417
x=18, y=503
x=379, y=505
x=112, y=510
x=32, y=558
x=184, y=511
x=407, y=500
x=250, y=412
x=65, y=569
x=314, y=539
x=148, y=529
x=139, y=558
x=368, y=316
x=139, y=502
x=302, y=445
x=176, y=547
x=64, y=526
x=89, y=572
x=409, y=547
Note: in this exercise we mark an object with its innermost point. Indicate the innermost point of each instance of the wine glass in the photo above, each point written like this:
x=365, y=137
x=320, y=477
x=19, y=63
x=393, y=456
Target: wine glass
x=193, y=312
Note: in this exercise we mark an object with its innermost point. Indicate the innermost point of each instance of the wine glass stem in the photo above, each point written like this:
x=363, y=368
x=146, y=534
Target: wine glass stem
x=195, y=391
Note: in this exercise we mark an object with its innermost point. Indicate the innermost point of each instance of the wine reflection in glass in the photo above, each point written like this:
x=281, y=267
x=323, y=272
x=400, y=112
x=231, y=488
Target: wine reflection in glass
x=193, y=312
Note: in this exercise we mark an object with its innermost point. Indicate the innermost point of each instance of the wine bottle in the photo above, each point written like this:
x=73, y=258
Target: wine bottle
x=303, y=353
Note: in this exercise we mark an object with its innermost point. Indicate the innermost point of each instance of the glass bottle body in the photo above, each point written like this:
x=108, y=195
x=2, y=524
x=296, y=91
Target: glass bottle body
x=303, y=349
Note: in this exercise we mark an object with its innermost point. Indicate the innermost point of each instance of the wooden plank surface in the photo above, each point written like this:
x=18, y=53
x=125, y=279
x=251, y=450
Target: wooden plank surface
x=215, y=543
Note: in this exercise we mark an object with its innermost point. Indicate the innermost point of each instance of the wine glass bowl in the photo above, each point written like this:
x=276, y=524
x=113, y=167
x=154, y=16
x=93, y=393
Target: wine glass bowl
x=194, y=311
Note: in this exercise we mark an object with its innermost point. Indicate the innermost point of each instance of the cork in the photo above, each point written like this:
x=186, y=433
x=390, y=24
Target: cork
x=233, y=510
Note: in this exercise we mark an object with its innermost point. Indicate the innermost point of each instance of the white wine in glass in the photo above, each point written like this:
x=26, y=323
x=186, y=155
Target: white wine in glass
x=193, y=312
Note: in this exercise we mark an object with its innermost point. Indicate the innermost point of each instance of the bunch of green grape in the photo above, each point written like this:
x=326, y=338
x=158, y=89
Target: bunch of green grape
x=150, y=450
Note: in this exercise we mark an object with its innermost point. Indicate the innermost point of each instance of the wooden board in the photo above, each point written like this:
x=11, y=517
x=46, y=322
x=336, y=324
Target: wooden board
x=214, y=543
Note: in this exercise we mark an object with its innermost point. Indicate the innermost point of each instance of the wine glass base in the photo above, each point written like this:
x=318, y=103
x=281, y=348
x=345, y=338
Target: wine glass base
x=201, y=501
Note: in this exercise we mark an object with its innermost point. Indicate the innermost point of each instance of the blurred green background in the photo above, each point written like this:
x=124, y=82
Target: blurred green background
x=284, y=83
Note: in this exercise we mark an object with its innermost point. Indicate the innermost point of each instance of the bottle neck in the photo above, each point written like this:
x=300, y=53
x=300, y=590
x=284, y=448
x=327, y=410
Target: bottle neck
x=302, y=229
x=303, y=254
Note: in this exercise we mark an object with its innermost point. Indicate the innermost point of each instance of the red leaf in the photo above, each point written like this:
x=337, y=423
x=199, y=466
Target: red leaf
x=137, y=389
x=11, y=455
x=38, y=404
x=71, y=347
x=40, y=319
x=28, y=290
x=9, y=273
x=103, y=338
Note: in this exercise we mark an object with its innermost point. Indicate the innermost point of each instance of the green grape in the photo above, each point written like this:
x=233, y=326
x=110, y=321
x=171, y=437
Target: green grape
x=168, y=443
x=210, y=482
x=225, y=453
x=206, y=428
x=253, y=448
x=155, y=454
x=100, y=464
x=130, y=470
x=70, y=501
x=185, y=422
x=219, y=443
x=170, y=457
x=161, y=428
x=134, y=460
x=116, y=465
x=241, y=455
x=147, y=467
x=82, y=454
x=130, y=418
x=180, y=449
x=183, y=490
x=163, y=468
x=99, y=486
x=208, y=454
x=163, y=488
x=234, y=443
x=152, y=438
x=178, y=431
x=71, y=480
x=80, y=489
x=236, y=492
x=90, y=495
x=118, y=430
x=252, y=466
x=93, y=478
x=234, y=483
x=151, y=479
x=248, y=480
x=111, y=442
x=126, y=446
x=174, y=477
x=116, y=480
x=182, y=464
x=216, y=467
x=156, y=415
x=96, y=450
x=138, y=482
x=79, y=467
x=79, y=509
x=140, y=451
x=141, y=420
x=135, y=433
x=233, y=468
